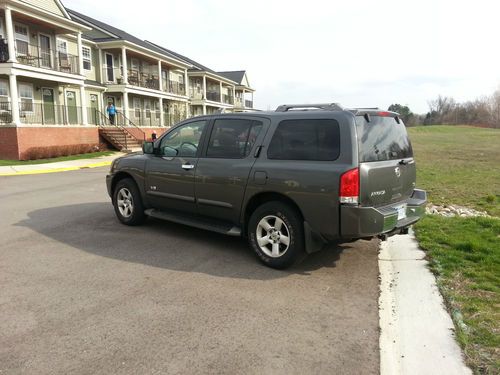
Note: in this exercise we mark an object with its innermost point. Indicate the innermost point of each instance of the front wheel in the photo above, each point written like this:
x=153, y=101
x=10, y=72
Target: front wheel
x=275, y=233
x=127, y=202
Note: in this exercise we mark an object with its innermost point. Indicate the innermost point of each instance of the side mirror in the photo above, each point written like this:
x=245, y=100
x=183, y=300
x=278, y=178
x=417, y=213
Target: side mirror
x=148, y=147
x=169, y=152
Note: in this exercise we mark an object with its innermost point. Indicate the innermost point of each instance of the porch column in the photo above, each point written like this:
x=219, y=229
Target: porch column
x=99, y=64
x=160, y=83
x=204, y=88
x=161, y=112
x=243, y=101
x=220, y=92
x=187, y=110
x=14, y=100
x=234, y=95
x=80, y=54
x=204, y=109
x=10, y=36
x=125, y=104
x=83, y=103
x=125, y=68
x=186, y=83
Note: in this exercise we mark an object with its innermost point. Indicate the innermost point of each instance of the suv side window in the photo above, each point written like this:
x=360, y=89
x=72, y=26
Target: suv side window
x=233, y=138
x=184, y=140
x=305, y=139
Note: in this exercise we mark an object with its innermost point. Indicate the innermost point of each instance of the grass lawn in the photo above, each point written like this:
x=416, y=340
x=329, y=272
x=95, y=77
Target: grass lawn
x=461, y=165
x=53, y=160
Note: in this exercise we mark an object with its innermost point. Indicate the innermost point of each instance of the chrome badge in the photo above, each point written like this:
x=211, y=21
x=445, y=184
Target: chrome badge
x=397, y=171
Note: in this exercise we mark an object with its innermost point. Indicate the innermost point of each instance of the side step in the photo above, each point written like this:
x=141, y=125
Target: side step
x=213, y=225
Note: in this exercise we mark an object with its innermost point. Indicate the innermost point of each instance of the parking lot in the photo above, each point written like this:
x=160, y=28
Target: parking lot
x=81, y=293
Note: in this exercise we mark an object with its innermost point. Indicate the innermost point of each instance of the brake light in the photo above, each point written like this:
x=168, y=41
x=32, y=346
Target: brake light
x=384, y=114
x=349, y=187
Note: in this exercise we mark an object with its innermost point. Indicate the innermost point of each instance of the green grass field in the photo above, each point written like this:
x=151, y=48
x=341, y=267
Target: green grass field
x=461, y=165
x=53, y=160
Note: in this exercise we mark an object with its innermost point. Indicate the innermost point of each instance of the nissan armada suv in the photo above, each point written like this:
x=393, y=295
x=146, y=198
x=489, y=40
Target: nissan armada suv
x=290, y=180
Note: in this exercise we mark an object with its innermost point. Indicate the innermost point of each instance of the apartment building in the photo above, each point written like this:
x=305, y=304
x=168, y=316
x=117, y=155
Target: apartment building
x=59, y=69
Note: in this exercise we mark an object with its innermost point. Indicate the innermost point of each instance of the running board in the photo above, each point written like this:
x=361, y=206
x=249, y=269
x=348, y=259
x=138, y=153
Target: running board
x=213, y=225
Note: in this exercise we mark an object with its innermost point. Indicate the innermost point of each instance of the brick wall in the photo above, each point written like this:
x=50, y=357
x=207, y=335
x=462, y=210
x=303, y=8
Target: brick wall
x=16, y=142
x=8, y=143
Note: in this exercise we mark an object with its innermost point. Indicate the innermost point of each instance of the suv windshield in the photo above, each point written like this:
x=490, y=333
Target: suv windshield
x=383, y=138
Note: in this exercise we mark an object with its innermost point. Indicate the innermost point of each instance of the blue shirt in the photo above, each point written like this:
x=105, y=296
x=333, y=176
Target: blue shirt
x=111, y=110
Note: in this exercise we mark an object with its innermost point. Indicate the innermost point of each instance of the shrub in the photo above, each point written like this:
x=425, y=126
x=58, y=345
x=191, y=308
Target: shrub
x=48, y=152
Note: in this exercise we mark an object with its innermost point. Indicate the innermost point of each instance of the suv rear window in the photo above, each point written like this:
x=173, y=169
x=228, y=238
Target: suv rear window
x=307, y=139
x=382, y=139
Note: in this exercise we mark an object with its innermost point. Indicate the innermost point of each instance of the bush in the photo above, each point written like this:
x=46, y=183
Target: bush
x=48, y=152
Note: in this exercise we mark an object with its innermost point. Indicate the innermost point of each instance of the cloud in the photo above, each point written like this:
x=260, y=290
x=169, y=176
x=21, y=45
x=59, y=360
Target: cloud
x=362, y=53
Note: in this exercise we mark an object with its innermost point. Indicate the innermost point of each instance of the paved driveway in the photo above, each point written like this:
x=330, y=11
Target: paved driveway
x=81, y=293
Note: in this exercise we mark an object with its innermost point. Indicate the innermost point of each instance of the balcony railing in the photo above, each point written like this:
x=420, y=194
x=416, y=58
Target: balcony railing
x=5, y=113
x=213, y=96
x=227, y=99
x=50, y=114
x=40, y=57
x=177, y=88
x=143, y=79
x=146, y=117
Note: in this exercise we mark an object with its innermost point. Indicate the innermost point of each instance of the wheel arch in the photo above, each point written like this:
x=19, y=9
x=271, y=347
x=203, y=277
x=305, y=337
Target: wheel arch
x=121, y=176
x=264, y=197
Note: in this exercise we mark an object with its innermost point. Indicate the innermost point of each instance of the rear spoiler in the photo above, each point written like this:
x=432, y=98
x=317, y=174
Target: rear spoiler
x=368, y=112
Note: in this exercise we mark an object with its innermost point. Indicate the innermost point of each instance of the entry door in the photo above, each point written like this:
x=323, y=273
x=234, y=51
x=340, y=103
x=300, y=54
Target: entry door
x=94, y=108
x=224, y=167
x=49, y=116
x=170, y=174
x=110, y=74
x=71, y=107
x=45, y=55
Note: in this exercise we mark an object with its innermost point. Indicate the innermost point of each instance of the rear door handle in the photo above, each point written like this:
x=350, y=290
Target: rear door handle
x=187, y=167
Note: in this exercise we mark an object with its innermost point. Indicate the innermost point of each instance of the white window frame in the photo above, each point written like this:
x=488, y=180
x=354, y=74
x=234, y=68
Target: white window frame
x=5, y=98
x=89, y=59
x=2, y=30
x=21, y=37
x=58, y=45
x=26, y=97
x=137, y=107
x=51, y=49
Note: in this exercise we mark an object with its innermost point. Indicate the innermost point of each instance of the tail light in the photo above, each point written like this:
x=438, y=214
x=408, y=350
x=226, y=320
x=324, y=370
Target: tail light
x=349, y=187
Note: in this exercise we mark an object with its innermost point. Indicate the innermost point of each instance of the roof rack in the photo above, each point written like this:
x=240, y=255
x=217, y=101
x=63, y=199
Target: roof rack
x=323, y=106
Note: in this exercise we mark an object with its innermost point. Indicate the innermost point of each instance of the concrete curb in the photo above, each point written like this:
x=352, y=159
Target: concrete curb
x=55, y=170
x=60, y=166
x=416, y=331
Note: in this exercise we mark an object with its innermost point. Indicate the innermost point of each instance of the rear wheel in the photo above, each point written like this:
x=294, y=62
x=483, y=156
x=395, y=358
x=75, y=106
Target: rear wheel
x=128, y=203
x=275, y=233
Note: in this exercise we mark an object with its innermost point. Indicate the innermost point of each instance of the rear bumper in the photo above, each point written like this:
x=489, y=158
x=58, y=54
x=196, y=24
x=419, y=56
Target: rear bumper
x=357, y=222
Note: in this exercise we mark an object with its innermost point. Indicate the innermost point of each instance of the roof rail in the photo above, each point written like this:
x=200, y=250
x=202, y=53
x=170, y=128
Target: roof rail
x=323, y=106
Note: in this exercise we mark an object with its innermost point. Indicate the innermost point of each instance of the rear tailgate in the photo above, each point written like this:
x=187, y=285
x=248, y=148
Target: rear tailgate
x=387, y=171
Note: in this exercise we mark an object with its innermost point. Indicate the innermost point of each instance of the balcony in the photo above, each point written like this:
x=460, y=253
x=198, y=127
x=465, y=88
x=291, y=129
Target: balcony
x=50, y=114
x=176, y=88
x=227, y=99
x=40, y=57
x=143, y=79
x=213, y=96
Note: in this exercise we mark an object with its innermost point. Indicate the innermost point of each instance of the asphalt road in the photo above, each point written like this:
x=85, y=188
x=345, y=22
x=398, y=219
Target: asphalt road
x=82, y=294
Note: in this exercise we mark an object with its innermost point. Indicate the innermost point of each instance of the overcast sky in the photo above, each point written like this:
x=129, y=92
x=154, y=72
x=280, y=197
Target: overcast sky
x=357, y=53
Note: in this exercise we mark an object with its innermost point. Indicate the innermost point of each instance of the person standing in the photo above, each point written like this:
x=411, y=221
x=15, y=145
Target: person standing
x=111, y=110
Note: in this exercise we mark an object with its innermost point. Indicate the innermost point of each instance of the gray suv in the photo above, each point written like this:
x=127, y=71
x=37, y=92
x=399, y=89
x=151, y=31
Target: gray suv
x=290, y=180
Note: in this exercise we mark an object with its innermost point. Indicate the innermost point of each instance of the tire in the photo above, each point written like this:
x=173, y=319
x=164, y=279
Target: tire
x=128, y=203
x=276, y=234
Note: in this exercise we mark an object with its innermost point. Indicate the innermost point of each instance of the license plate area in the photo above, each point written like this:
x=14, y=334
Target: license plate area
x=401, y=209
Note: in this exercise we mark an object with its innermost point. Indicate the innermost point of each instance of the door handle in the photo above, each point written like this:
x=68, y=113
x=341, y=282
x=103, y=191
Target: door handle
x=187, y=167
